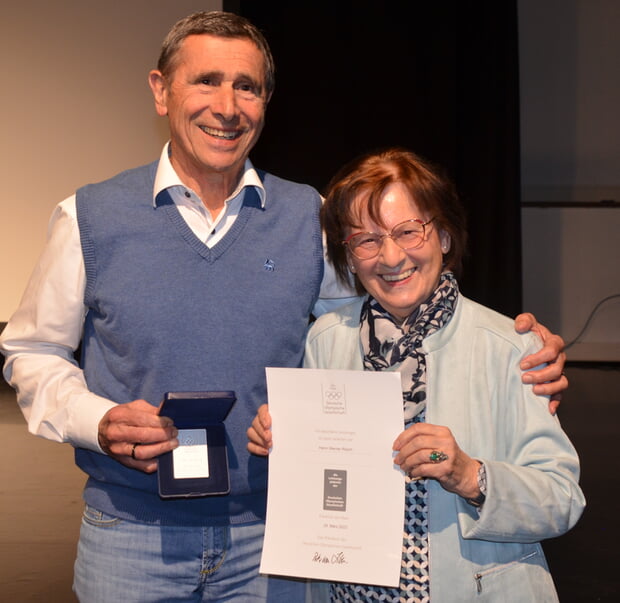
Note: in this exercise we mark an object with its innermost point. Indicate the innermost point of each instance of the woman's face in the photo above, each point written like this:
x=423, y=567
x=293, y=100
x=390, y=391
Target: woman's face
x=400, y=279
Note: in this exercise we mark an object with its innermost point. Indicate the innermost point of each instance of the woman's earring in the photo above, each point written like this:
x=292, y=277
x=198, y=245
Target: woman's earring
x=445, y=246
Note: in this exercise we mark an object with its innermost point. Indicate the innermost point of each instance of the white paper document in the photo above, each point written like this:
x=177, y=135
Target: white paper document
x=335, y=506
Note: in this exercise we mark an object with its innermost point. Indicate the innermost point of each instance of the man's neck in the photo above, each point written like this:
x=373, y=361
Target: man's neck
x=213, y=188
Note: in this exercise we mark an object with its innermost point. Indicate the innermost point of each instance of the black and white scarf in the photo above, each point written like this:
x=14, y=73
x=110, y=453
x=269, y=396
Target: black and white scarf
x=391, y=346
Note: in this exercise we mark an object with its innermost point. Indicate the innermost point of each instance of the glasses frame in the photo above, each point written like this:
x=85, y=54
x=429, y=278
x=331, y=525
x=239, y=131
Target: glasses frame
x=382, y=237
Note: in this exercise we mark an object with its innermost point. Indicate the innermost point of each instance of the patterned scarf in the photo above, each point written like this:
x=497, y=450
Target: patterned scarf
x=389, y=346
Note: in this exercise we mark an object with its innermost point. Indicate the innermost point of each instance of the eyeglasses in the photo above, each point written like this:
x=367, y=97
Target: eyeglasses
x=409, y=234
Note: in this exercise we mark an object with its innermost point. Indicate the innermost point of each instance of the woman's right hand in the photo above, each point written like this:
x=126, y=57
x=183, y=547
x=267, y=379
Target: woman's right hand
x=259, y=434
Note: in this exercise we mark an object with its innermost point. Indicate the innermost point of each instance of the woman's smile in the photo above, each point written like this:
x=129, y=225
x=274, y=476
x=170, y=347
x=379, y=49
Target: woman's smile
x=399, y=279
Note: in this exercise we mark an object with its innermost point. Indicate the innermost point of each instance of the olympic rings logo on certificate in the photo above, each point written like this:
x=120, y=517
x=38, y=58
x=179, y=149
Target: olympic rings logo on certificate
x=334, y=399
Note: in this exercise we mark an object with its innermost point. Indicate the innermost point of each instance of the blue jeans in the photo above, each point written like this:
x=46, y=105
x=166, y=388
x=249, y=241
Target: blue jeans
x=120, y=560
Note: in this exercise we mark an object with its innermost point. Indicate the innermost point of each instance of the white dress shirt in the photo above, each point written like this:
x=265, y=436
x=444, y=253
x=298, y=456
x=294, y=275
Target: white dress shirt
x=43, y=333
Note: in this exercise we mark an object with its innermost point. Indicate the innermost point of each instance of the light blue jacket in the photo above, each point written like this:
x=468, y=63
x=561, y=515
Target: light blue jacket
x=474, y=388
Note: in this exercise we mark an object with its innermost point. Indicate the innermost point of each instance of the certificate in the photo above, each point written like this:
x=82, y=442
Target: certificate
x=336, y=501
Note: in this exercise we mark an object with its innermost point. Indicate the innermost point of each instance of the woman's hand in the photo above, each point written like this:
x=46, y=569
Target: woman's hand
x=420, y=443
x=259, y=434
x=550, y=380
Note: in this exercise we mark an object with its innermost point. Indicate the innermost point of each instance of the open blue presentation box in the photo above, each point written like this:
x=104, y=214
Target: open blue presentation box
x=199, y=466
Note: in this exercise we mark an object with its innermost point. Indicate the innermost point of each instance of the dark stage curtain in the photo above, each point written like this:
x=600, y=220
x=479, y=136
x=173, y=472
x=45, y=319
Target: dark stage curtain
x=440, y=78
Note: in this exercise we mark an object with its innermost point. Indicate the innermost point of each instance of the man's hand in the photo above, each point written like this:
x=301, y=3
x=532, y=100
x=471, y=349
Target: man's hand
x=134, y=434
x=549, y=380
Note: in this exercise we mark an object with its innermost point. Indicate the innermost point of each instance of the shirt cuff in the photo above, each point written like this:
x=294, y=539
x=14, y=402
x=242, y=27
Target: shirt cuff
x=83, y=427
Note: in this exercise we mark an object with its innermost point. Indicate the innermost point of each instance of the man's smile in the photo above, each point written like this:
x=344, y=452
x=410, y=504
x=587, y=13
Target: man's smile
x=223, y=134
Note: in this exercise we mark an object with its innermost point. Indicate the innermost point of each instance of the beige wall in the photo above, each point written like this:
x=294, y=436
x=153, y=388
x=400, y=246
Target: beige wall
x=75, y=108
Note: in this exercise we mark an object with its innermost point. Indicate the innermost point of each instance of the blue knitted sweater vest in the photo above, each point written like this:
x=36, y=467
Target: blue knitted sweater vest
x=166, y=313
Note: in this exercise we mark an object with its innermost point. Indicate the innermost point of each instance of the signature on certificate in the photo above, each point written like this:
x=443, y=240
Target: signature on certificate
x=335, y=559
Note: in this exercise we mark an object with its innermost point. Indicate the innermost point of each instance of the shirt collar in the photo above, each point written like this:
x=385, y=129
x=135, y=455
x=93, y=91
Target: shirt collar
x=166, y=178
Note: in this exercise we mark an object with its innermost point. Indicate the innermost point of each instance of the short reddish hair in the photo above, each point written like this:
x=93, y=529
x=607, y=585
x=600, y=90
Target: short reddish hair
x=369, y=176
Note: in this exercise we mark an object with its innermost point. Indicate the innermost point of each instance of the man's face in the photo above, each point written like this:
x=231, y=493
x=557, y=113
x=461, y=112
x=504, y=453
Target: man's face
x=215, y=100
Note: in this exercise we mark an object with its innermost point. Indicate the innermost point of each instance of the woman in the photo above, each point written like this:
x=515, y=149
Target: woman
x=490, y=472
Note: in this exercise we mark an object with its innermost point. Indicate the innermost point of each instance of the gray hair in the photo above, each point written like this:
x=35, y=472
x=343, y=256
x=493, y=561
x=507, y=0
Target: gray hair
x=220, y=24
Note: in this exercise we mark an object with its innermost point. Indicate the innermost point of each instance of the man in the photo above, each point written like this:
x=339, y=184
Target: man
x=192, y=273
